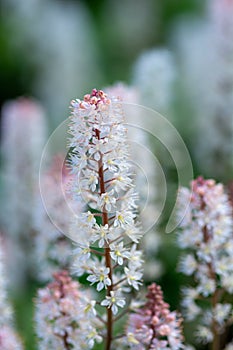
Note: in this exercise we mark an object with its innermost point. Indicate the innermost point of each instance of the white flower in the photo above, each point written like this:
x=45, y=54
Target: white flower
x=113, y=301
x=107, y=201
x=209, y=220
x=89, y=218
x=80, y=267
x=23, y=139
x=208, y=83
x=204, y=334
x=227, y=282
x=191, y=310
x=90, y=306
x=82, y=254
x=64, y=313
x=207, y=286
x=97, y=148
x=93, y=337
x=123, y=219
x=100, y=275
x=24, y=125
x=133, y=277
x=119, y=253
x=154, y=76
x=99, y=139
x=223, y=266
x=133, y=232
x=190, y=293
x=90, y=181
x=221, y=313
x=101, y=234
x=135, y=258
x=121, y=182
x=188, y=264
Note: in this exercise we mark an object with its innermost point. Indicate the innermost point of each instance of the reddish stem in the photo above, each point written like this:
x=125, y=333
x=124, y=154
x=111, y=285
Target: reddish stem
x=108, y=262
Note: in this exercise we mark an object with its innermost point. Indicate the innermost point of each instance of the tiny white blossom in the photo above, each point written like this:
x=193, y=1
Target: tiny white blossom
x=113, y=301
x=135, y=257
x=222, y=312
x=207, y=286
x=121, y=181
x=119, y=253
x=82, y=253
x=204, y=334
x=90, y=306
x=227, y=283
x=93, y=337
x=133, y=232
x=101, y=234
x=123, y=219
x=90, y=181
x=107, y=201
x=133, y=277
x=100, y=275
x=188, y=264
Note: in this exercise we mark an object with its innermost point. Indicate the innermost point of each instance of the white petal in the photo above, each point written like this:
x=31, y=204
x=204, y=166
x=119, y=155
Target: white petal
x=105, y=302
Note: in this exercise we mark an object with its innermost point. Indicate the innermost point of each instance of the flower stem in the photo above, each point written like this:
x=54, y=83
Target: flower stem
x=216, y=339
x=108, y=263
x=65, y=340
x=214, y=300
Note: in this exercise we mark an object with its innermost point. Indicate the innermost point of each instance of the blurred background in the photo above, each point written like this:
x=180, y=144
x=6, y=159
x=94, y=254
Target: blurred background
x=58, y=50
x=177, y=55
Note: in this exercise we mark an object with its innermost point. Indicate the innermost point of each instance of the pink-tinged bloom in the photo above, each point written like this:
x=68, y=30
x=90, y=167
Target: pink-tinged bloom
x=99, y=136
x=65, y=316
x=100, y=163
x=123, y=92
x=207, y=233
x=153, y=325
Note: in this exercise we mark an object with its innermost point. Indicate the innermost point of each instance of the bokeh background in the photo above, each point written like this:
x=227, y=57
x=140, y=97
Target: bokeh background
x=57, y=50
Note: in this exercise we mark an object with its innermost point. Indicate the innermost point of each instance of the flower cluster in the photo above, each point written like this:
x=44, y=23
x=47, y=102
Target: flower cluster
x=154, y=326
x=24, y=129
x=56, y=81
x=208, y=79
x=107, y=234
x=65, y=316
x=206, y=233
x=23, y=124
x=52, y=247
x=6, y=312
x=144, y=181
x=154, y=76
x=8, y=339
